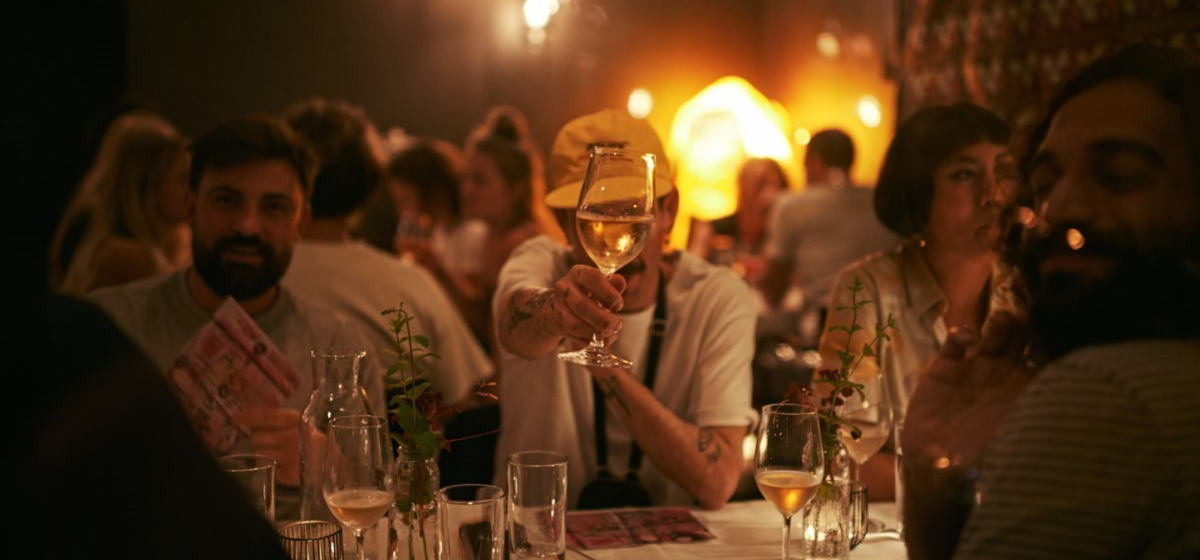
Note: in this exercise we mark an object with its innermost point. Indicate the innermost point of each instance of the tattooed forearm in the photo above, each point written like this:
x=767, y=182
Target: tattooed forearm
x=708, y=445
x=518, y=314
x=612, y=392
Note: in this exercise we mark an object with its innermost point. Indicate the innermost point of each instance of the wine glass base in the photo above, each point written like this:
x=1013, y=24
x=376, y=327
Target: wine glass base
x=589, y=356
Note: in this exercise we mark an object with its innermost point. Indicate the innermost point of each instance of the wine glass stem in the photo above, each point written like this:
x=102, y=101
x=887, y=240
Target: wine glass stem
x=597, y=344
x=787, y=534
x=358, y=539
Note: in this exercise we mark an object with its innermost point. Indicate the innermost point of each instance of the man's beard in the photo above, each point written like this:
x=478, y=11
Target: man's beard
x=1150, y=293
x=240, y=280
x=635, y=267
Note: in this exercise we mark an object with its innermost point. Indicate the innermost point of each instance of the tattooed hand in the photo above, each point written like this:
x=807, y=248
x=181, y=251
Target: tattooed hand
x=585, y=302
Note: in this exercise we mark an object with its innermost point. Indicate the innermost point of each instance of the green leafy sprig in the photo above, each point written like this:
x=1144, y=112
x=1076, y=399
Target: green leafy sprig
x=413, y=411
x=414, y=407
x=838, y=380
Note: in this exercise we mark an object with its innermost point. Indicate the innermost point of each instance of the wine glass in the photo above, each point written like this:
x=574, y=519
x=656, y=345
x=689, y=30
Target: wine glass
x=358, y=473
x=789, y=460
x=869, y=418
x=615, y=219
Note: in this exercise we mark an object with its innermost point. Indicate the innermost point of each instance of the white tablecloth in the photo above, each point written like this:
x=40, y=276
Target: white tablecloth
x=751, y=531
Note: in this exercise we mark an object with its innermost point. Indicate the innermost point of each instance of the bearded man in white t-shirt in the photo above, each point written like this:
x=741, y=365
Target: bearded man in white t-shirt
x=690, y=425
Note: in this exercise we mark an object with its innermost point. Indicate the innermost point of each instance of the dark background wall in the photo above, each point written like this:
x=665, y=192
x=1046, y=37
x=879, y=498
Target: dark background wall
x=63, y=66
x=431, y=67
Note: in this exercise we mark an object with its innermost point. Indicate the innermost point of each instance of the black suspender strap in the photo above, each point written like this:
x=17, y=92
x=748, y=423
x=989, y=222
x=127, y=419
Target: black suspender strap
x=657, y=329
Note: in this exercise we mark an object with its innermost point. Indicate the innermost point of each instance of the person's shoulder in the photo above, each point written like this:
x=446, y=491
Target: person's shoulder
x=1155, y=378
x=129, y=252
x=539, y=246
x=134, y=292
x=124, y=260
x=520, y=234
x=801, y=201
x=386, y=263
x=696, y=279
x=875, y=265
x=308, y=313
x=1137, y=360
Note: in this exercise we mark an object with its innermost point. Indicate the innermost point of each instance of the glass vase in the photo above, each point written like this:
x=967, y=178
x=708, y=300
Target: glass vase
x=827, y=517
x=413, y=517
x=337, y=391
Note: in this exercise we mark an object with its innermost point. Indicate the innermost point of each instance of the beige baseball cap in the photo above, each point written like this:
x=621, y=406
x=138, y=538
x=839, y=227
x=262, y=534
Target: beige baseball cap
x=607, y=129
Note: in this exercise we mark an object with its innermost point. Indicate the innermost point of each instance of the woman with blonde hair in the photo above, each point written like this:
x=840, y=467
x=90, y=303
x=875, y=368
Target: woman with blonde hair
x=129, y=218
x=502, y=186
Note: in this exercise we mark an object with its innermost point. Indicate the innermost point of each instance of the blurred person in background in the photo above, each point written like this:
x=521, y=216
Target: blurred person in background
x=377, y=223
x=360, y=281
x=423, y=180
x=824, y=229
x=739, y=239
x=503, y=187
x=128, y=219
x=945, y=178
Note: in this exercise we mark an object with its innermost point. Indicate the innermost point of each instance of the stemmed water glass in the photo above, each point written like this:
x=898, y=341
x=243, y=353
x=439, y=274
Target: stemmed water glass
x=615, y=219
x=789, y=460
x=358, y=473
x=869, y=418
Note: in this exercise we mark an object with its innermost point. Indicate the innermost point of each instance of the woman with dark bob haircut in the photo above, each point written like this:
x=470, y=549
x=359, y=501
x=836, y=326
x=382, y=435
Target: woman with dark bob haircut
x=944, y=180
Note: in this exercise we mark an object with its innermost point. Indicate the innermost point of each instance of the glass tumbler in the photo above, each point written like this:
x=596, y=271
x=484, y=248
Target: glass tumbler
x=537, y=504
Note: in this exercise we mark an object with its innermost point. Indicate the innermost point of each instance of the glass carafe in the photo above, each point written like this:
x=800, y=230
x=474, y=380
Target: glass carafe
x=337, y=391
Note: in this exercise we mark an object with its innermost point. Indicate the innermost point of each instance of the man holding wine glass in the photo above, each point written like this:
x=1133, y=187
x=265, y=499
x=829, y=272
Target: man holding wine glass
x=684, y=401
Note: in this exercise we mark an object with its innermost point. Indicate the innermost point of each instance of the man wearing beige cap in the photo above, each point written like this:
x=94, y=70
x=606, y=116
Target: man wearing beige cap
x=691, y=419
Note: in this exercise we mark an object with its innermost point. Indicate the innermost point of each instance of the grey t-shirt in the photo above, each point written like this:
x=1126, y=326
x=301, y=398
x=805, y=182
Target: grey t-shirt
x=1098, y=459
x=160, y=315
x=823, y=230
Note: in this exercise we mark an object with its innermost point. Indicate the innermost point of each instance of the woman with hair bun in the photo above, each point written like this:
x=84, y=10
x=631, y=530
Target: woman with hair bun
x=503, y=187
x=128, y=220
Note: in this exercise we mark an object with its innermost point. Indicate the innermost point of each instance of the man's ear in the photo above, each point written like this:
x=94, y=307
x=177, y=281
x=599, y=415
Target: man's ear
x=668, y=208
x=190, y=202
x=305, y=220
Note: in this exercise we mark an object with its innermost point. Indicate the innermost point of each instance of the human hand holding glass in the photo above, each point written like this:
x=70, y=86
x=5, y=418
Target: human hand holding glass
x=615, y=220
x=358, y=473
x=789, y=460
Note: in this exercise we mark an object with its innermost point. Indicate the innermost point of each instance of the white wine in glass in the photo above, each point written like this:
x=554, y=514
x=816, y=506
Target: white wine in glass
x=789, y=461
x=615, y=220
x=612, y=242
x=358, y=473
x=359, y=508
x=870, y=418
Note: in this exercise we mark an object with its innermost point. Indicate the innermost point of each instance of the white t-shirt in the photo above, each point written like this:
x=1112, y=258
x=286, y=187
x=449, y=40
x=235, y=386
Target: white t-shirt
x=703, y=373
x=360, y=282
x=461, y=247
x=823, y=230
x=160, y=315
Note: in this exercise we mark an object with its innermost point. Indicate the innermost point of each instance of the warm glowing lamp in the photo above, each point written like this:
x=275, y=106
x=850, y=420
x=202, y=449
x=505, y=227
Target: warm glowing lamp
x=537, y=13
x=640, y=103
x=828, y=45
x=712, y=134
x=869, y=112
x=802, y=136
